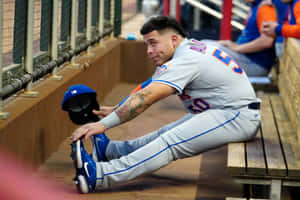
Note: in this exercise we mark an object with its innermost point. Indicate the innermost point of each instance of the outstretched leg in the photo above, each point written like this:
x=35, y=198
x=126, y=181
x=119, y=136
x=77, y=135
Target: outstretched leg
x=208, y=130
x=117, y=149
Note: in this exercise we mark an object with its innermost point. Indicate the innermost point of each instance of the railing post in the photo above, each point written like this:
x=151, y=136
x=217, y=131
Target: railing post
x=89, y=26
x=178, y=11
x=54, y=42
x=214, y=13
x=197, y=22
x=3, y=115
x=89, y=21
x=172, y=12
x=101, y=20
x=166, y=5
x=172, y=9
x=74, y=20
x=226, y=20
x=29, y=49
x=112, y=16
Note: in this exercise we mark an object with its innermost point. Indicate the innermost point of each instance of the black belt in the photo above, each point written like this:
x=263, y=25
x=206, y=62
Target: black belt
x=254, y=106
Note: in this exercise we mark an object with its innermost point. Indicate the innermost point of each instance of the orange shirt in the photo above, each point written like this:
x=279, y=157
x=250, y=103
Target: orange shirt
x=293, y=28
x=265, y=13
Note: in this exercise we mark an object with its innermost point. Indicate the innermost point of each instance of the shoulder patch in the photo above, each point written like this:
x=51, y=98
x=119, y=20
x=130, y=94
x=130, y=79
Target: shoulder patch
x=162, y=69
x=200, y=46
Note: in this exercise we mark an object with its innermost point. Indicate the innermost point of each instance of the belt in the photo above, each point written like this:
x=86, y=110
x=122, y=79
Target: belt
x=254, y=106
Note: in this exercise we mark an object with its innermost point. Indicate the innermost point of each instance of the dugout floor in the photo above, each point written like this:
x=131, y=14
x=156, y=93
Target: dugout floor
x=200, y=177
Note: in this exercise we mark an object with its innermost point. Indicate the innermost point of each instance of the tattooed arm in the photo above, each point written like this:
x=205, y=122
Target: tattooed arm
x=135, y=105
x=143, y=99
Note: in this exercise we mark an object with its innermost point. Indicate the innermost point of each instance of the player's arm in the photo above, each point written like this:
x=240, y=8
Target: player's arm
x=138, y=88
x=264, y=41
x=288, y=30
x=132, y=107
x=106, y=110
x=140, y=101
x=260, y=43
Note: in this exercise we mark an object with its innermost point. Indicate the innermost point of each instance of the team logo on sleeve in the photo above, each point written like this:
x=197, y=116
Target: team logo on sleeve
x=200, y=46
x=162, y=69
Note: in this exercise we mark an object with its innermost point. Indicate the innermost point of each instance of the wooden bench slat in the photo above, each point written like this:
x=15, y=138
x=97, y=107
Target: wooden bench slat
x=288, y=138
x=274, y=156
x=256, y=164
x=236, y=158
x=292, y=49
x=286, y=98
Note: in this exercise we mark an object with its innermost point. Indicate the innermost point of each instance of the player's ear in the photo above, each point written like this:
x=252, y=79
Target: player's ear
x=174, y=39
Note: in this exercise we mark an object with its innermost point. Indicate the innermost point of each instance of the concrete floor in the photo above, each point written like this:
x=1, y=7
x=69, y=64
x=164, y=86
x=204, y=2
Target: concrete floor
x=200, y=177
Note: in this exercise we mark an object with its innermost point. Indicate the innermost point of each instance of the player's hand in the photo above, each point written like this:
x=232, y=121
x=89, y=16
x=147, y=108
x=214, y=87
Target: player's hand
x=228, y=43
x=268, y=28
x=104, y=111
x=87, y=130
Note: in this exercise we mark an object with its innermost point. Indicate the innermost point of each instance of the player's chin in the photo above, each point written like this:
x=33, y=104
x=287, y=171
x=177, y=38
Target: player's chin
x=159, y=62
x=155, y=61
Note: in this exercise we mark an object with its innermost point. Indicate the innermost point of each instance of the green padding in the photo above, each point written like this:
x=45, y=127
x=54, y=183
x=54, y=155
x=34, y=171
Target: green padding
x=66, y=7
x=106, y=9
x=82, y=6
x=46, y=22
x=19, y=30
x=95, y=12
x=118, y=18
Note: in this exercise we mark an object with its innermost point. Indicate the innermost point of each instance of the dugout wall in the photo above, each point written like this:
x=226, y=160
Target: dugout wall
x=37, y=126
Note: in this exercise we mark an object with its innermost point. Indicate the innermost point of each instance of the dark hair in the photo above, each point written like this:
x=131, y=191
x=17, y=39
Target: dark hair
x=159, y=23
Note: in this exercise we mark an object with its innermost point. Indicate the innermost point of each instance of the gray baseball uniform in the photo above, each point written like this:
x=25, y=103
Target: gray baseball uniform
x=216, y=93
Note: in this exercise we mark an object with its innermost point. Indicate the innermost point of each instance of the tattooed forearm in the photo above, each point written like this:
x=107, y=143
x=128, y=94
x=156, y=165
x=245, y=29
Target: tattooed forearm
x=134, y=106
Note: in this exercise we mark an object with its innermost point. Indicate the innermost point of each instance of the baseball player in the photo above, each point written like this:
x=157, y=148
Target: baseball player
x=215, y=91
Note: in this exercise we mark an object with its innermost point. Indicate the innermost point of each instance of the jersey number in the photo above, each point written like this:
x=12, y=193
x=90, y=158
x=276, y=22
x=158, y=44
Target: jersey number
x=227, y=60
x=198, y=106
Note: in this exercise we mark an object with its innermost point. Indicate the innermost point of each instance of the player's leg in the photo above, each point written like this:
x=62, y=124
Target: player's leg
x=117, y=149
x=100, y=143
x=200, y=133
x=250, y=67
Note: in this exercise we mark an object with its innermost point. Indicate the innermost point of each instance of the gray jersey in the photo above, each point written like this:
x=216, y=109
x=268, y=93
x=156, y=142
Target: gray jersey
x=205, y=77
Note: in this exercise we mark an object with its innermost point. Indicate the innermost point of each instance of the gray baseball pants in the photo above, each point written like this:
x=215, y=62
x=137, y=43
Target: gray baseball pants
x=189, y=136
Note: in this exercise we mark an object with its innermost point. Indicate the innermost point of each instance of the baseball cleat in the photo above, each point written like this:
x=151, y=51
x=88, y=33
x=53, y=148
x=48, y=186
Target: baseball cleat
x=85, y=178
x=100, y=142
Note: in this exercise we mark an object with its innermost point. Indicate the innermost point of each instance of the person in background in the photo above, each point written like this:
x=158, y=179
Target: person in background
x=282, y=17
x=291, y=29
x=253, y=50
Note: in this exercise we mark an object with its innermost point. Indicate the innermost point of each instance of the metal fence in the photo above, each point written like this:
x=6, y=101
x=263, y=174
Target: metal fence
x=37, y=36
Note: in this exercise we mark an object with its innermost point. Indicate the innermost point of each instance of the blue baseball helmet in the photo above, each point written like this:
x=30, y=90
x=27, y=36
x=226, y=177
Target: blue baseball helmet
x=79, y=101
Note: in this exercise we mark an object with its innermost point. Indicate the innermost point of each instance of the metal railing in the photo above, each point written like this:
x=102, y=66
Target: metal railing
x=239, y=10
x=46, y=34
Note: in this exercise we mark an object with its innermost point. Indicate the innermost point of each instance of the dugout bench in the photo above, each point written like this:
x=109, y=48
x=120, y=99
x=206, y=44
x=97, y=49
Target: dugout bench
x=273, y=157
